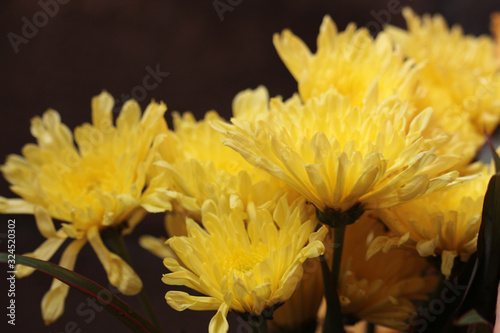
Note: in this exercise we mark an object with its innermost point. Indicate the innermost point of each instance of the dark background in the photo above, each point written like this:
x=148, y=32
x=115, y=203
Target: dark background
x=91, y=45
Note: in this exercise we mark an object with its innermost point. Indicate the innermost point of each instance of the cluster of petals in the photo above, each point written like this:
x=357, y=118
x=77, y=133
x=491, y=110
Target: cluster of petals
x=99, y=183
x=247, y=266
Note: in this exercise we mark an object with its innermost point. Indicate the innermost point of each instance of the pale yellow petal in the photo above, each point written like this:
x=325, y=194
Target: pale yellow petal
x=15, y=206
x=427, y=247
x=218, y=323
x=156, y=246
x=120, y=274
x=447, y=259
x=44, y=222
x=53, y=300
x=44, y=252
x=102, y=108
x=181, y=301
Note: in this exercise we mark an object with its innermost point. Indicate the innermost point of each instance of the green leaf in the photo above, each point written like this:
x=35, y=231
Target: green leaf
x=111, y=302
x=483, y=289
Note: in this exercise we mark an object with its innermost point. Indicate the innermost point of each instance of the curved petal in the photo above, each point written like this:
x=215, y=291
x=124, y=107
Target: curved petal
x=53, y=300
x=44, y=223
x=120, y=274
x=44, y=252
x=181, y=301
x=219, y=323
x=15, y=206
x=156, y=246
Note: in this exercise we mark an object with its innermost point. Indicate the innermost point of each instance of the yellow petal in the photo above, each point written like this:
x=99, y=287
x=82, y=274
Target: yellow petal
x=129, y=116
x=15, y=206
x=53, y=300
x=293, y=51
x=102, y=107
x=120, y=274
x=181, y=301
x=156, y=246
x=44, y=252
x=219, y=323
x=289, y=282
x=44, y=222
x=427, y=247
x=447, y=259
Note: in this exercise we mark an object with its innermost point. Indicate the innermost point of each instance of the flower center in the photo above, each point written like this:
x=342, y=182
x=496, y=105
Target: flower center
x=241, y=262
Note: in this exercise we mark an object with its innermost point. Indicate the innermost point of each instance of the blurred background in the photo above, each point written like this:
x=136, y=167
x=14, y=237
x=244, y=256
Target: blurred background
x=59, y=54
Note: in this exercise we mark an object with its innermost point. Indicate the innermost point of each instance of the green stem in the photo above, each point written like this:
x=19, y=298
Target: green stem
x=120, y=248
x=333, y=316
x=262, y=328
x=337, y=220
x=258, y=324
x=338, y=245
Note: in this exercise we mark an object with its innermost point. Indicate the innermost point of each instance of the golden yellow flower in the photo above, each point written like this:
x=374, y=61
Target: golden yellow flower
x=206, y=168
x=459, y=74
x=352, y=62
x=382, y=288
x=338, y=155
x=246, y=267
x=97, y=185
x=445, y=223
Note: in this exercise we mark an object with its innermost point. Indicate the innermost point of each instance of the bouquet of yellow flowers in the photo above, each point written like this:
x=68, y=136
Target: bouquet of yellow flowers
x=356, y=199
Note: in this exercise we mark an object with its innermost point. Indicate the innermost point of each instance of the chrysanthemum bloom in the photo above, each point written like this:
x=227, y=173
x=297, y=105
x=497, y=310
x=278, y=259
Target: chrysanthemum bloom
x=350, y=61
x=97, y=185
x=248, y=267
x=381, y=289
x=459, y=74
x=445, y=223
x=339, y=156
x=205, y=168
x=354, y=63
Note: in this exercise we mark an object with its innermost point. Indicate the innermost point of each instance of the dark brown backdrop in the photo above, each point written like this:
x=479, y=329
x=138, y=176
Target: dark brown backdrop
x=91, y=45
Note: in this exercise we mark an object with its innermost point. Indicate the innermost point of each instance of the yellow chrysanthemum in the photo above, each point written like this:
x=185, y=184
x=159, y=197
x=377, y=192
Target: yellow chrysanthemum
x=97, y=185
x=354, y=64
x=351, y=62
x=246, y=267
x=382, y=288
x=459, y=74
x=207, y=169
x=445, y=223
x=338, y=156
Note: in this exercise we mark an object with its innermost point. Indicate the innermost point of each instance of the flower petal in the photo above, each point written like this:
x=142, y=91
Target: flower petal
x=44, y=223
x=120, y=274
x=44, y=252
x=15, y=206
x=53, y=300
x=219, y=323
x=181, y=301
